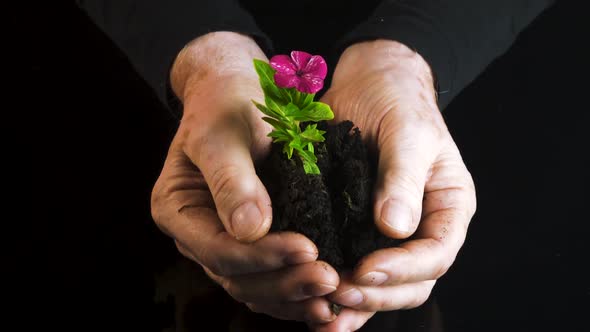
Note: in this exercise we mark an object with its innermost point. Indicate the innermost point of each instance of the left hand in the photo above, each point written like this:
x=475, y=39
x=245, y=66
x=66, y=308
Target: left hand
x=423, y=187
x=209, y=199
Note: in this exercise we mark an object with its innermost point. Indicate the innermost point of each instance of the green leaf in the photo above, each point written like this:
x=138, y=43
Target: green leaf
x=284, y=109
x=279, y=133
x=296, y=143
x=291, y=110
x=274, y=107
x=316, y=111
x=288, y=150
x=293, y=133
x=286, y=95
x=312, y=134
x=301, y=99
x=279, y=136
x=267, y=82
x=264, y=109
x=310, y=168
x=309, y=162
x=275, y=123
x=279, y=140
x=307, y=100
x=313, y=113
x=306, y=155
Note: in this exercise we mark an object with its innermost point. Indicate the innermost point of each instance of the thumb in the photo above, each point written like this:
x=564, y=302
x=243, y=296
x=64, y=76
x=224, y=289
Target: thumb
x=405, y=158
x=221, y=150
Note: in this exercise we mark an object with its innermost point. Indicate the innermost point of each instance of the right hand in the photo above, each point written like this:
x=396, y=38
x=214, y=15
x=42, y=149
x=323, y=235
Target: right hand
x=209, y=199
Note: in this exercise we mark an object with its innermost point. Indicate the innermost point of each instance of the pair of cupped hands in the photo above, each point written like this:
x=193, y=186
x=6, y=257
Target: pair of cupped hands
x=209, y=199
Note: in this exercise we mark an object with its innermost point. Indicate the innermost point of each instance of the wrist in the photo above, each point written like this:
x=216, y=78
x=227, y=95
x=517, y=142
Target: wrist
x=214, y=59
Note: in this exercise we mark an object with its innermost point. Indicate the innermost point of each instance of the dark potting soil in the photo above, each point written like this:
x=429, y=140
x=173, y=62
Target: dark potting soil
x=333, y=209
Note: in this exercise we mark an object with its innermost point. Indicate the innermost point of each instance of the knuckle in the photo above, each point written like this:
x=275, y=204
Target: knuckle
x=402, y=275
x=223, y=181
x=186, y=252
x=444, y=268
x=214, y=254
x=159, y=208
x=234, y=290
x=163, y=201
x=212, y=262
x=261, y=261
x=254, y=308
x=219, y=269
x=182, y=250
x=189, y=132
x=470, y=186
x=406, y=184
x=417, y=301
x=446, y=258
x=437, y=245
x=385, y=304
x=217, y=279
x=472, y=207
x=220, y=258
x=156, y=202
x=420, y=296
x=193, y=139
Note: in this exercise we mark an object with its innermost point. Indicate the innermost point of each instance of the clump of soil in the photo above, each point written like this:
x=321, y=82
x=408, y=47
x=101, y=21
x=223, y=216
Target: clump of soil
x=333, y=209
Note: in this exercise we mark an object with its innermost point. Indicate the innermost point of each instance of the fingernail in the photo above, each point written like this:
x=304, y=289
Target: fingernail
x=373, y=279
x=246, y=220
x=396, y=215
x=318, y=289
x=300, y=258
x=350, y=298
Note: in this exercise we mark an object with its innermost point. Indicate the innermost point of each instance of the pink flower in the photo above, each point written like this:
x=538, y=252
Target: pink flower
x=302, y=70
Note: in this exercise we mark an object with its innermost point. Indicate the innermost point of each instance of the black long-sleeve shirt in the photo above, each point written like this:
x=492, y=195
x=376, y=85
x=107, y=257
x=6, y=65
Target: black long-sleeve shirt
x=458, y=38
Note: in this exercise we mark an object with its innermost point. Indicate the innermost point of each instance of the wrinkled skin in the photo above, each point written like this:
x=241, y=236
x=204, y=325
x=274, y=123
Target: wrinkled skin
x=423, y=188
x=210, y=201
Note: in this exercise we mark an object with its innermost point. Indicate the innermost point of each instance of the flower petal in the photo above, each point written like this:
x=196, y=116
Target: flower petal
x=283, y=64
x=316, y=67
x=310, y=83
x=286, y=80
x=300, y=59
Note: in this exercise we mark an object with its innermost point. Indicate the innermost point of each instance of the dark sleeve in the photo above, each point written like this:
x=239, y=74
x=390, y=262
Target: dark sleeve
x=152, y=32
x=457, y=38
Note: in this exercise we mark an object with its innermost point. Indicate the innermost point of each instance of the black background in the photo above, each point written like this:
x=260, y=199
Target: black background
x=99, y=138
